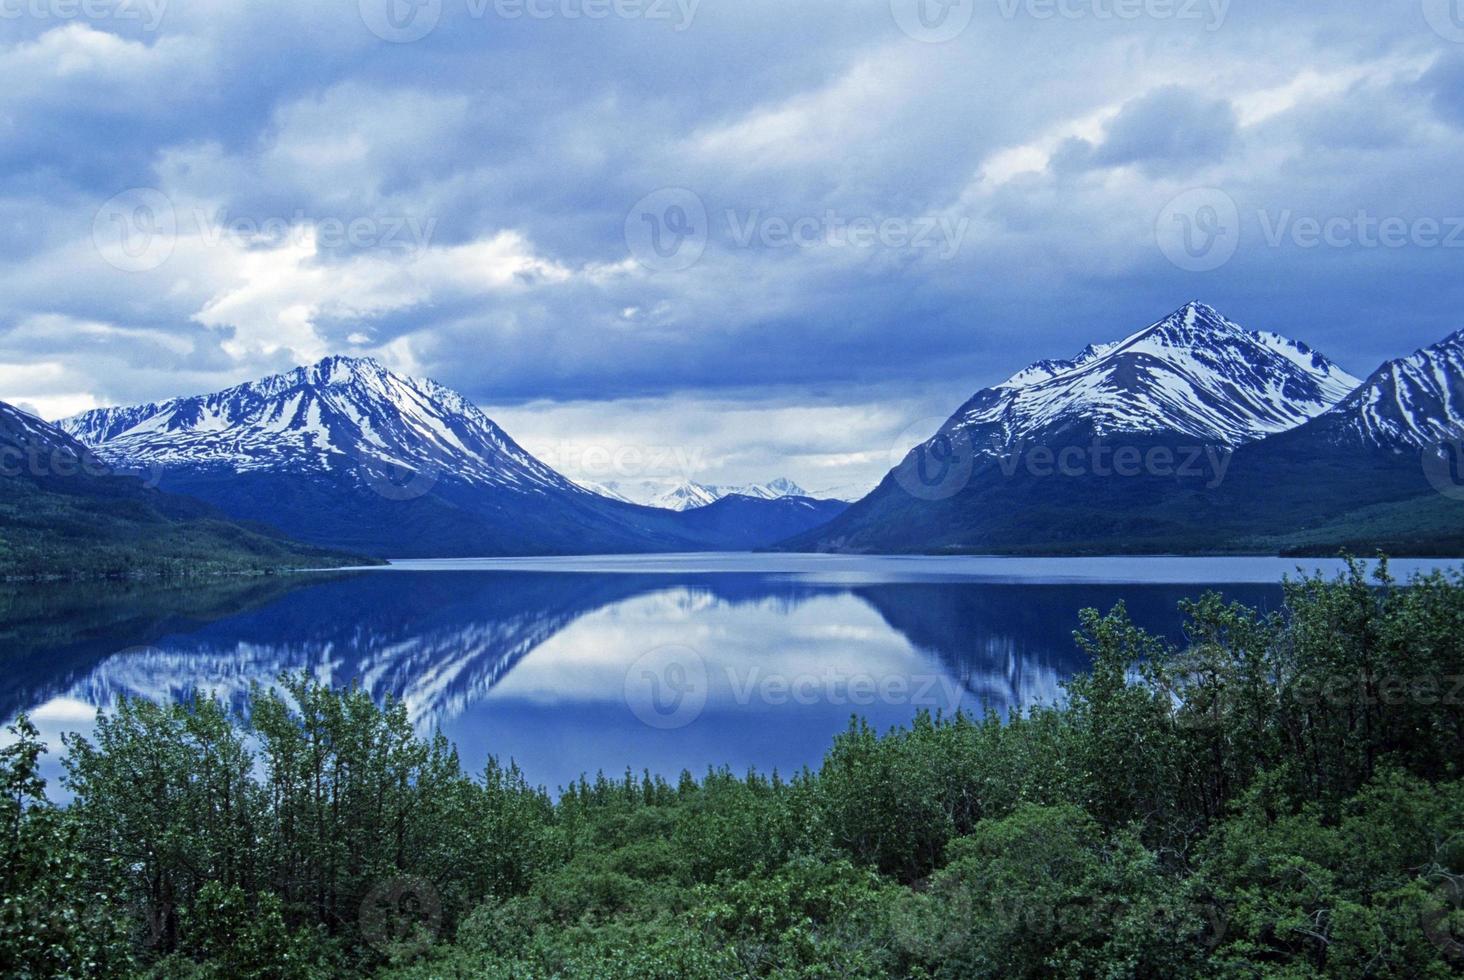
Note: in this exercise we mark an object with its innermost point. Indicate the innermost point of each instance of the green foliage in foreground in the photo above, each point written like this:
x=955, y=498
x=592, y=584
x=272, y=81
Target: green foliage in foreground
x=1281, y=798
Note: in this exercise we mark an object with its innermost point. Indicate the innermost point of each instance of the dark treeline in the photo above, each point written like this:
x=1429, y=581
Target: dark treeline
x=1279, y=797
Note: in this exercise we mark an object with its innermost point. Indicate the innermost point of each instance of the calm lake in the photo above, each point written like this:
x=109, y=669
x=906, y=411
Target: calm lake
x=576, y=665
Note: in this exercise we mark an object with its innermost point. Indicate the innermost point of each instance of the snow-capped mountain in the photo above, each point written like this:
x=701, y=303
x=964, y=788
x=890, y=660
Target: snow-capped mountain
x=339, y=414
x=1193, y=373
x=688, y=495
x=348, y=453
x=1408, y=404
x=1192, y=387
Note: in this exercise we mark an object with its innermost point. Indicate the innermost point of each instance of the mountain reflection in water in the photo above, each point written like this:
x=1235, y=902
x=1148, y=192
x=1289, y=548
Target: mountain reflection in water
x=536, y=665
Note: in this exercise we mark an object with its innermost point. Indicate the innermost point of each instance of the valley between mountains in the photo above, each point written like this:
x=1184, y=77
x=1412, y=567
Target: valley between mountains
x=1192, y=435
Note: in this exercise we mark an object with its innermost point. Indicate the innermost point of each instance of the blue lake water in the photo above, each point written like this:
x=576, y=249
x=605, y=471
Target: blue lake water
x=576, y=665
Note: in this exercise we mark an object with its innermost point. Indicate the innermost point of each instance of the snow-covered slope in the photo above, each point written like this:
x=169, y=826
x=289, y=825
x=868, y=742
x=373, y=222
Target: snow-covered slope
x=340, y=414
x=1411, y=403
x=1193, y=373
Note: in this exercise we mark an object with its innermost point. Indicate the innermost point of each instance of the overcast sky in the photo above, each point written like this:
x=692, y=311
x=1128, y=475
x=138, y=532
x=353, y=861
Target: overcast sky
x=734, y=239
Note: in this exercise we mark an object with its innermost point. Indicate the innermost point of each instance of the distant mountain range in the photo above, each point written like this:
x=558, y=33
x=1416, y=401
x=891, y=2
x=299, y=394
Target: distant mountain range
x=688, y=494
x=347, y=453
x=1191, y=435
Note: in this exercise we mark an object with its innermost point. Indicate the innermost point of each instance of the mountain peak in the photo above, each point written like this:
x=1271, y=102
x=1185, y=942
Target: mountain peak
x=1195, y=373
x=339, y=412
x=1191, y=322
x=347, y=362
